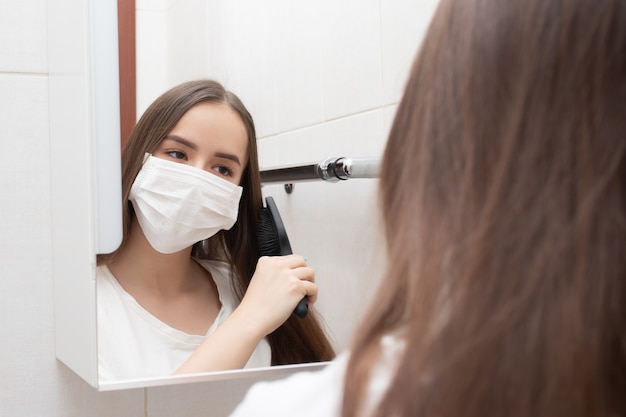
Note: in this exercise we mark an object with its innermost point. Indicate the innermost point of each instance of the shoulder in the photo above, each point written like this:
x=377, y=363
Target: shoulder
x=292, y=395
x=219, y=269
x=103, y=273
x=222, y=275
x=106, y=284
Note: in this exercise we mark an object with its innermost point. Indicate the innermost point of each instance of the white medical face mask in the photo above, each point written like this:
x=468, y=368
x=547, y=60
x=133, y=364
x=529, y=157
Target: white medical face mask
x=178, y=205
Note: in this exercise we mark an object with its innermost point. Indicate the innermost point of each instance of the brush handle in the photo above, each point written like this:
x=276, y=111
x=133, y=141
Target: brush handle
x=302, y=308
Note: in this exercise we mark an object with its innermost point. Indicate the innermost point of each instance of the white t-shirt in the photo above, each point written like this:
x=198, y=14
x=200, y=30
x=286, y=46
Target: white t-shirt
x=318, y=393
x=132, y=343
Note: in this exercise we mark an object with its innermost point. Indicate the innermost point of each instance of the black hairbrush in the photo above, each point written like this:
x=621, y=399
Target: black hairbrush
x=273, y=241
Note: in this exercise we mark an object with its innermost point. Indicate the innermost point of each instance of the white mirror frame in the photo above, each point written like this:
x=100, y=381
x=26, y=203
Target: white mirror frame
x=85, y=167
x=86, y=182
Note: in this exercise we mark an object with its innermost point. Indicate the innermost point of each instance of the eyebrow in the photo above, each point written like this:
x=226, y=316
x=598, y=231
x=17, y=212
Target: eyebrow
x=193, y=146
x=182, y=141
x=229, y=156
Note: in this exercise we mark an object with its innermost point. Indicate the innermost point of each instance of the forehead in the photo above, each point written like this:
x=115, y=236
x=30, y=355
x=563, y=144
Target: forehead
x=211, y=125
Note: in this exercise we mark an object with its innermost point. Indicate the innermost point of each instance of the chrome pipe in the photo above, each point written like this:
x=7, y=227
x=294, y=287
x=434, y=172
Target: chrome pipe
x=331, y=169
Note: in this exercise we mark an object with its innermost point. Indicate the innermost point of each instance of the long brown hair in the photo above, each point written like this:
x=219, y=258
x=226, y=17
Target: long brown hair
x=298, y=340
x=503, y=192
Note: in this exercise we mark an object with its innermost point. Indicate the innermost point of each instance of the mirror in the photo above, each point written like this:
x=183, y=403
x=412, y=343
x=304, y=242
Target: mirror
x=318, y=82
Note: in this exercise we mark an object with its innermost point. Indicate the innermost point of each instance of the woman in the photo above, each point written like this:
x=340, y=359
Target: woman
x=503, y=190
x=189, y=254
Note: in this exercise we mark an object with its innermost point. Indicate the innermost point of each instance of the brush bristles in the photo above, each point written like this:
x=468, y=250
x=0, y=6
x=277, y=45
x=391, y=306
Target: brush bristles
x=268, y=236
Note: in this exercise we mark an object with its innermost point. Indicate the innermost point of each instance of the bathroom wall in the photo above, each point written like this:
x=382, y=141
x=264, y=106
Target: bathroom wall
x=313, y=93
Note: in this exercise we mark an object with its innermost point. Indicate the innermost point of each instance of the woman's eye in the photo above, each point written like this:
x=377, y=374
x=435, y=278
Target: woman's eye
x=176, y=154
x=222, y=170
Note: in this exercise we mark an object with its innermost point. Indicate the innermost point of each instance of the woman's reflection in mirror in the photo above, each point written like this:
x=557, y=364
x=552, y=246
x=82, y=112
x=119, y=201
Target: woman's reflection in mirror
x=503, y=190
x=186, y=290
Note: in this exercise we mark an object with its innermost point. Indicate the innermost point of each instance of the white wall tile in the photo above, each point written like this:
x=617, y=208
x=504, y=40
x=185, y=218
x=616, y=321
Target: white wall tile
x=151, y=56
x=302, y=146
x=23, y=37
x=23, y=180
x=351, y=56
x=297, y=48
x=305, y=215
x=33, y=382
x=187, y=41
x=354, y=254
x=302, y=211
x=359, y=135
x=269, y=150
x=206, y=399
x=68, y=395
x=403, y=25
x=157, y=5
x=389, y=113
x=215, y=399
x=223, y=41
x=25, y=247
x=199, y=399
x=256, y=63
x=353, y=226
x=172, y=46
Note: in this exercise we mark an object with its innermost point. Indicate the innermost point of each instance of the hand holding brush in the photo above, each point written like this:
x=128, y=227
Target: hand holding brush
x=273, y=241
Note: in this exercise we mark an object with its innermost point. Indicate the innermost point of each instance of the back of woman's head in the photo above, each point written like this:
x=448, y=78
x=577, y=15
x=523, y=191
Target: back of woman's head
x=503, y=192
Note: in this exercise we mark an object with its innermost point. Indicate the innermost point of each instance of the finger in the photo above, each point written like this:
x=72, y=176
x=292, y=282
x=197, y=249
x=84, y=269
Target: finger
x=304, y=273
x=311, y=291
x=294, y=261
x=288, y=261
